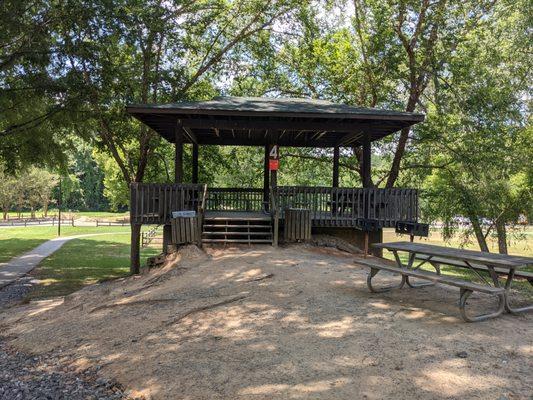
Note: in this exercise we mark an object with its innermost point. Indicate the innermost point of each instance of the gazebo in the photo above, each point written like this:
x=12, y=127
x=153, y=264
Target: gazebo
x=252, y=215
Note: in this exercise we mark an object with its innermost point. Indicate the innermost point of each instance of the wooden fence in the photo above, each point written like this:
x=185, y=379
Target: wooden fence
x=148, y=236
x=235, y=199
x=36, y=221
x=345, y=206
x=153, y=203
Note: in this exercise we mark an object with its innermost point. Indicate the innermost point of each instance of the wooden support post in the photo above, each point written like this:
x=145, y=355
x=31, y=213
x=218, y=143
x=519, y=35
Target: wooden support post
x=178, y=157
x=135, y=251
x=273, y=178
x=366, y=244
x=195, y=163
x=266, y=180
x=335, y=166
x=366, y=162
x=167, y=237
x=274, y=172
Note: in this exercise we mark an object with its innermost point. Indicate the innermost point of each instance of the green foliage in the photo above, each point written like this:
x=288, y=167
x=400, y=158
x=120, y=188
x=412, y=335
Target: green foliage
x=7, y=183
x=68, y=69
x=96, y=259
x=479, y=137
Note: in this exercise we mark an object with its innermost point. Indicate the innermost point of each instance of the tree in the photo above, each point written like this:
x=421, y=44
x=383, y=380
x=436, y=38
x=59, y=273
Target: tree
x=21, y=185
x=478, y=139
x=7, y=188
x=378, y=53
x=33, y=94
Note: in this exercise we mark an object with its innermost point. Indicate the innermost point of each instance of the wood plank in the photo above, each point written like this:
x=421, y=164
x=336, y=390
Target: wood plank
x=433, y=277
x=462, y=264
x=502, y=260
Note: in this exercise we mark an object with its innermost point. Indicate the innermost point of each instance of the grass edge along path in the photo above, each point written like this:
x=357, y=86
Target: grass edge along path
x=17, y=241
x=85, y=261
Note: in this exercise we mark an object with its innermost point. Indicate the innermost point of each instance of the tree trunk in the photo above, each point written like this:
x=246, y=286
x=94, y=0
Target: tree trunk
x=45, y=209
x=474, y=220
x=135, y=249
x=502, y=237
x=400, y=150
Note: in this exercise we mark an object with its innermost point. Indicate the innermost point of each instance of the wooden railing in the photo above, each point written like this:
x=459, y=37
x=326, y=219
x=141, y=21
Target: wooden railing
x=148, y=236
x=153, y=203
x=344, y=206
x=235, y=199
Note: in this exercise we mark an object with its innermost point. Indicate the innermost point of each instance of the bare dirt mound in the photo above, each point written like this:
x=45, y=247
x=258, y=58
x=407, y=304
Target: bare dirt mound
x=265, y=323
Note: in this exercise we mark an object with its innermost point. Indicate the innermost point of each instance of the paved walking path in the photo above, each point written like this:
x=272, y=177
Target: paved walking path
x=19, y=266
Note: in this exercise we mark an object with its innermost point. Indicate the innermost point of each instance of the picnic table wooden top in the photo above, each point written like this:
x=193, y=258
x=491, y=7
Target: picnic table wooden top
x=501, y=260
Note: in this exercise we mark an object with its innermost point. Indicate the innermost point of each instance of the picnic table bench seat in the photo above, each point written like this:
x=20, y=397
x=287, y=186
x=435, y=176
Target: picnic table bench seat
x=457, y=263
x=466, y=288
x=430, y=276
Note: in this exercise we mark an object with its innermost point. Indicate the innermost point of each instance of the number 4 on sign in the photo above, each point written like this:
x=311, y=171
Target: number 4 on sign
x=274, y=155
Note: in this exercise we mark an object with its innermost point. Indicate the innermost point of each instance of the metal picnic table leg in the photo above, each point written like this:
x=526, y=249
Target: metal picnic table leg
x=373, y=272
x=465, y=293
x=412, y=256
x=508, y=307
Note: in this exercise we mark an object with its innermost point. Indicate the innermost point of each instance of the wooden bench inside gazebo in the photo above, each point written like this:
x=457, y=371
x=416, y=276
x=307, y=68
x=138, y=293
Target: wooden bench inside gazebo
x=256, y=215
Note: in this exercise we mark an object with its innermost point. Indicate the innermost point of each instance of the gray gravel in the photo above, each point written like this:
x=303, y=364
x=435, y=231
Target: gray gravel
x=15, y=292
x=25, y=377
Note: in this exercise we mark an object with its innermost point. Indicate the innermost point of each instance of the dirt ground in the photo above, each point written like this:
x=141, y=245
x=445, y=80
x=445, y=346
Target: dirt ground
x=288, y=323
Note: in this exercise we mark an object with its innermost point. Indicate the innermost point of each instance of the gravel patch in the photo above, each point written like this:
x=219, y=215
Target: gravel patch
x=16, y=292
x=25, y=377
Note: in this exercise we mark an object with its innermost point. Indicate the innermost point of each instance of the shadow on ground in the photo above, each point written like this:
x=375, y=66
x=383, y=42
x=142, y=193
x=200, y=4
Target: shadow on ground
x=288, y=323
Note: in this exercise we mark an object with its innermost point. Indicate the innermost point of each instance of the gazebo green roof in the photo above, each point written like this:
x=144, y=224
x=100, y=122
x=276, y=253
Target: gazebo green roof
x=256, y=121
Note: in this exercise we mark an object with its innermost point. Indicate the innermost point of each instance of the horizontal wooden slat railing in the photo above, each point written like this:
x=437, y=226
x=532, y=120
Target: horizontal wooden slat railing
x=235, y=199
x=153, y=203
x=344, y=206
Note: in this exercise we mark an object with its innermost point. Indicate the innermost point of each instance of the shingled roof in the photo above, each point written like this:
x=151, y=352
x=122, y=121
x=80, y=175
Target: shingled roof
x=258, y=121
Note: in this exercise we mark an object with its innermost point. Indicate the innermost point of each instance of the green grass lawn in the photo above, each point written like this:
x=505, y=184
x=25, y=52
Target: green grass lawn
x=75, y=214
x=85, y=261
x=522, y=246
x=78, y=262
x=16, y=241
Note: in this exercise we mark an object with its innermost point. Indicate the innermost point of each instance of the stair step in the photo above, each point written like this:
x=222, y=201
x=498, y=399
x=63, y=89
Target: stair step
x=237, y=229
x=240, y=219
x=236, y=241
x=235, y=226
x=268, y=233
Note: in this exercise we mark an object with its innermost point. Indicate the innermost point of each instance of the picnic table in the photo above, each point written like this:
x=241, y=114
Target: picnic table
x=480, y=263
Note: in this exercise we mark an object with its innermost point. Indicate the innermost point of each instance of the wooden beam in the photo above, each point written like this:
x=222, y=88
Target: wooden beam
x=195, y=163
x=274, y=173
x=318, y=135
x=366, y=162
x=135, y=249
x=335, y=180
x=331, y=126
x=178, y=155
x=190, y=134
x=266, y=180
x=349, y=138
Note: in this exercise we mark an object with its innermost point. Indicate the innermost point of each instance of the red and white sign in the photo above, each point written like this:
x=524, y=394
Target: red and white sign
x=273, y=158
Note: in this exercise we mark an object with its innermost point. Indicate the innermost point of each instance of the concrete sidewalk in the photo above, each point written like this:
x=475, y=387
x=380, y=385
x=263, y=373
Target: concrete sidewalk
x=19, y=266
